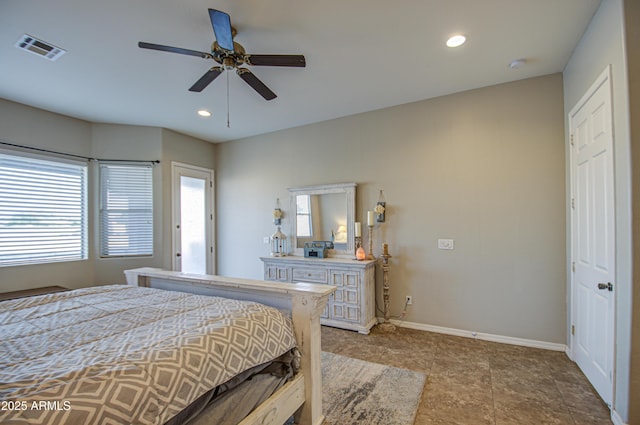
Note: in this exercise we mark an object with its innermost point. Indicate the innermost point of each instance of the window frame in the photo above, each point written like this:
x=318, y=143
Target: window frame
x=79, y=212
x=103, y=247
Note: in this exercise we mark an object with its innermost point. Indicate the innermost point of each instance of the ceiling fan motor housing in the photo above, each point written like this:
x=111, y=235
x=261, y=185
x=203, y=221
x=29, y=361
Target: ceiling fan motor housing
x=228, y=59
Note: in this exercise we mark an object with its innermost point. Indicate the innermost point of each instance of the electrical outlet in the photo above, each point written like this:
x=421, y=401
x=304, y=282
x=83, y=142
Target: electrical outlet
x=409, y=300
x=445, y=243
x=266, y=240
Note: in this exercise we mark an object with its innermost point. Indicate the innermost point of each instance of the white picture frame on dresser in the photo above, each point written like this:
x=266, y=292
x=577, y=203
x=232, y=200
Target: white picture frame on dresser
x=352, y=305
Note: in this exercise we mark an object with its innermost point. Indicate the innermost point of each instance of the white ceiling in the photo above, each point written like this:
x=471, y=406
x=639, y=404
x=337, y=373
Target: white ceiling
x=361, y=55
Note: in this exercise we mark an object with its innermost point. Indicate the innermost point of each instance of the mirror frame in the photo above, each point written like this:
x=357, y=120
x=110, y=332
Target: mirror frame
x=349, y=189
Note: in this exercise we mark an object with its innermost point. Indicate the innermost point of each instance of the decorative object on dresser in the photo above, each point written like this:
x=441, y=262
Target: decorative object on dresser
x=352, y=306
x=360, y=254
x=386, y=325
x=278, y=243
x=380, y=208
x=317, y=249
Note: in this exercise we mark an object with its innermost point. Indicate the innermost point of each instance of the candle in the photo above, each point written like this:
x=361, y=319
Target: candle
x=358, y=230
x=370, y=219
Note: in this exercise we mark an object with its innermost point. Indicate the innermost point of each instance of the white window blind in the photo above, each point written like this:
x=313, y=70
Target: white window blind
x=126, y=210
x=43, y=210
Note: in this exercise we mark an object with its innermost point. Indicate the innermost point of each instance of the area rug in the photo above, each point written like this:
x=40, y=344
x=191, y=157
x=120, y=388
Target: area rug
x=359, y=392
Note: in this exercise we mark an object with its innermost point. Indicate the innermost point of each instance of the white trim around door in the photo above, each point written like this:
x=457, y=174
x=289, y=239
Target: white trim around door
x=592, y=236
x=204, y=209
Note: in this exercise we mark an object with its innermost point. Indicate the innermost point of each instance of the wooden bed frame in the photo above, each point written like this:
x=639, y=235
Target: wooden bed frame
x=302, y=396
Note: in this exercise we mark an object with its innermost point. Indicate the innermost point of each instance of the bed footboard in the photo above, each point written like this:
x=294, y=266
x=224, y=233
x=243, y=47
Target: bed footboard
x=306, y=303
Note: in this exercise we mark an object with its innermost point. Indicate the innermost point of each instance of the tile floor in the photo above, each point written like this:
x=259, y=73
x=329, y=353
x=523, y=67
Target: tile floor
x=478, y=382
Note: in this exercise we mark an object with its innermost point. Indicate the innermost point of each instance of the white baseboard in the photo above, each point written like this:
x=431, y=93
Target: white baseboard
x=616, y=419
x=482, y=336
x=569, y=353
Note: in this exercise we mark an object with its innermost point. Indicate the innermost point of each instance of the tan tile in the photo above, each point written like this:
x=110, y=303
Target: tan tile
x=582, y=399
x=510, y=385
x=478, y=382
x=531, y=412
x=582, y=419
x=455, y=405
x=442, y=392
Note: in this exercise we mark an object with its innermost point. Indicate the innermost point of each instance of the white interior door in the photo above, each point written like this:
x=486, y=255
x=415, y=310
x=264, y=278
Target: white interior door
x=593, y=236
x=192, y=221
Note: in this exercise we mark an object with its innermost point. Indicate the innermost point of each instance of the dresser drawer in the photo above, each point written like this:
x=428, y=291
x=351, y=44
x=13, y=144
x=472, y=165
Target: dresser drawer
x=276, y=273
x=301, y=274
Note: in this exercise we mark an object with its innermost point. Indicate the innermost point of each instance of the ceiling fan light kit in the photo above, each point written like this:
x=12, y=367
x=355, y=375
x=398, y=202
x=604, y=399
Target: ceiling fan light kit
x=230, y=55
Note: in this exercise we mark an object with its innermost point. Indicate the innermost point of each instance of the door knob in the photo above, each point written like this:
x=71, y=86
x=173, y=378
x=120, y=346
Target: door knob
x=607, y=286
x=178, y=254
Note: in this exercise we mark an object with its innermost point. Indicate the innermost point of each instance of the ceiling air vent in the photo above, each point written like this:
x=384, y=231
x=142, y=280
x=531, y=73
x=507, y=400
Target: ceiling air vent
x=39, y=47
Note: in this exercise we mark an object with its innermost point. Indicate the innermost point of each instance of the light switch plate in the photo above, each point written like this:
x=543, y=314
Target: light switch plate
x=445, y=243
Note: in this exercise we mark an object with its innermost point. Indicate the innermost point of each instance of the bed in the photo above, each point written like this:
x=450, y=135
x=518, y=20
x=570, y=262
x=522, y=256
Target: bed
x=156, y=351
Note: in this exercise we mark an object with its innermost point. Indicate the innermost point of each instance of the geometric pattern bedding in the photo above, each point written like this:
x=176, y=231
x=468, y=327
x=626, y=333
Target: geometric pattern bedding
x=121, y=354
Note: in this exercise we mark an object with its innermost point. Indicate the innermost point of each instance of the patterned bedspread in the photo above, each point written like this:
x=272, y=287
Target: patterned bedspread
x=126, y=355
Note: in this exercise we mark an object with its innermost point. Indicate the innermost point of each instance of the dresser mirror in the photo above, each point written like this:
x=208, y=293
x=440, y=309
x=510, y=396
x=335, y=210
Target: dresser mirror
x=323, y=213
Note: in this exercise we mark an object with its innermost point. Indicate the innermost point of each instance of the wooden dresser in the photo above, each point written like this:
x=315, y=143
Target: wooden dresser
x=352, y=306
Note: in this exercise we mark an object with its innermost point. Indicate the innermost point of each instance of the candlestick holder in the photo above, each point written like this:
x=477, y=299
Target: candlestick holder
x=386, y=325
x=370, y=255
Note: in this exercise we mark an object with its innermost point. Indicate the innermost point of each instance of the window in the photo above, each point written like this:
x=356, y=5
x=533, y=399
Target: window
x=126, y=210
x=303, y=216
x=43, y=210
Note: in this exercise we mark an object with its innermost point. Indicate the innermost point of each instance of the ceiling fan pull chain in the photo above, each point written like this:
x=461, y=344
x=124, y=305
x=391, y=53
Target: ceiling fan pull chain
x=228, y=120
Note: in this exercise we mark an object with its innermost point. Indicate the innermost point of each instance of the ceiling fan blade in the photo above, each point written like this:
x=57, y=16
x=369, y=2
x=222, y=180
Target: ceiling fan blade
x=170, y=49
x=206, y=79
x=276, y=60
x=221, y=23
x=256, y=84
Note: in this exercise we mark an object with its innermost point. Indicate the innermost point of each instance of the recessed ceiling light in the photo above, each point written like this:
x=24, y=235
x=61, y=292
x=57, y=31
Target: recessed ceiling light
x=204, y=113
x=456, y=40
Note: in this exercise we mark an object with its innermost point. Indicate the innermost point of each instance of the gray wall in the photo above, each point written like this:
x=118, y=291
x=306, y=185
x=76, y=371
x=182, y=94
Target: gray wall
x=33, y=127
x=484, y=167
x=23, y=125
x=603, y=45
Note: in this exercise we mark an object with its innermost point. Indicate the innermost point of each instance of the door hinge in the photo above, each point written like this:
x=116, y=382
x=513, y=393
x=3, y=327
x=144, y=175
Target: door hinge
x=573, y=329
x=573, y=266
x=211, y=249
x=571, y=139
x=573, y=203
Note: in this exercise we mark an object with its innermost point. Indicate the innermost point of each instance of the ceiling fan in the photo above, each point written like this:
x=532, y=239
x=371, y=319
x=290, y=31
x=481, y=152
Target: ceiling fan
x=230, y=55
